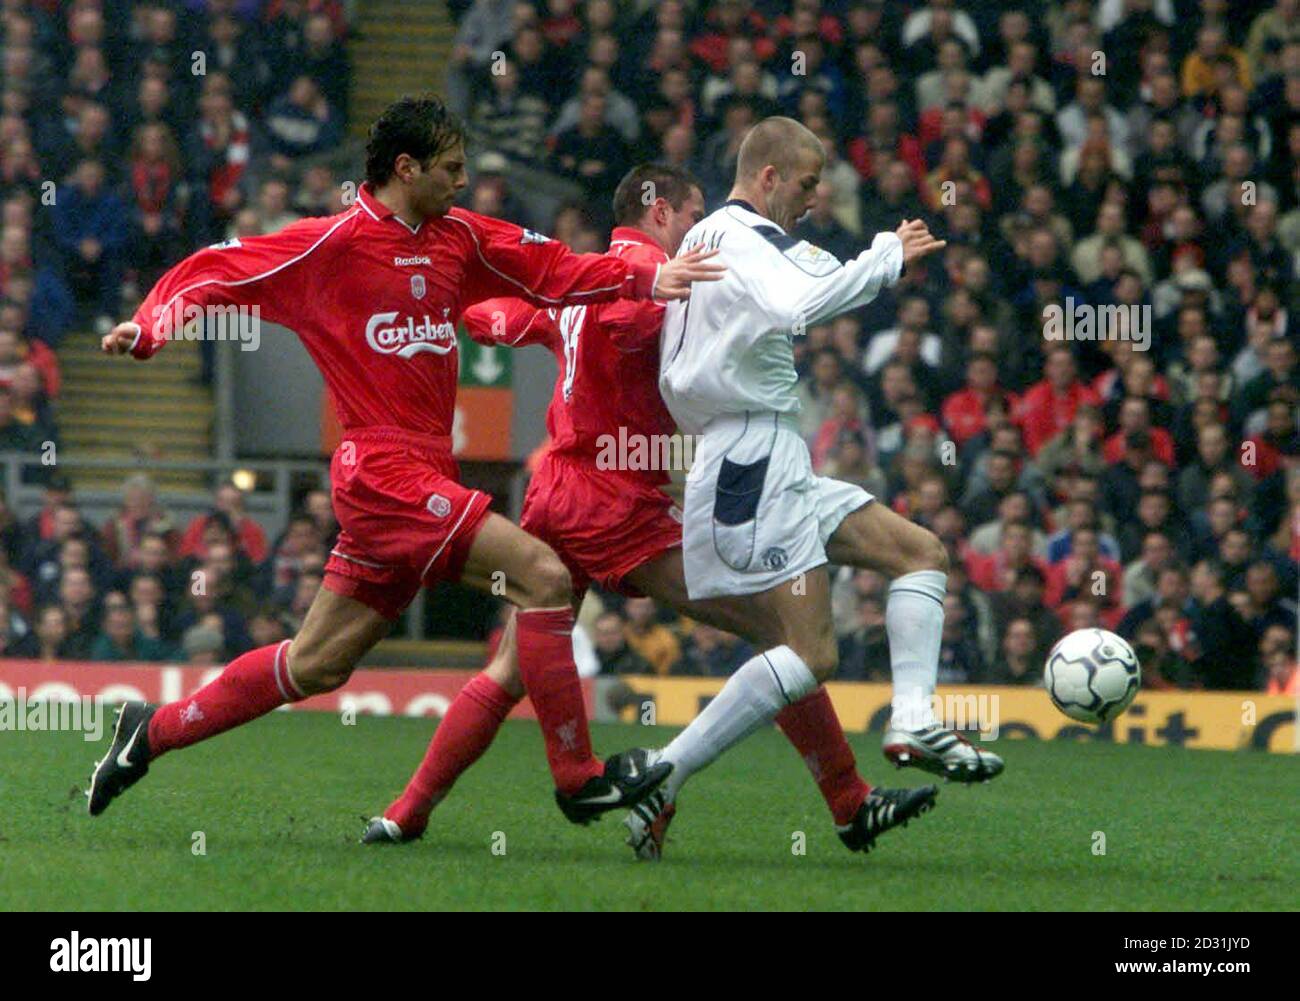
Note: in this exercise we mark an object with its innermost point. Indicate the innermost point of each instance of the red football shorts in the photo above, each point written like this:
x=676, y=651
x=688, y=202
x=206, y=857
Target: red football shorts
x=602, y=523
x=405, y=522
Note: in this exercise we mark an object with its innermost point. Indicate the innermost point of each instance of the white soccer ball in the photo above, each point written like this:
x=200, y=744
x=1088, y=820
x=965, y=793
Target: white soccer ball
x=1092, y=675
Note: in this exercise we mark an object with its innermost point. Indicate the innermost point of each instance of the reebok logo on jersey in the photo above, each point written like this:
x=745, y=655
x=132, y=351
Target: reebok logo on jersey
x=408, y=336
x=406, y=262
x=531, y=237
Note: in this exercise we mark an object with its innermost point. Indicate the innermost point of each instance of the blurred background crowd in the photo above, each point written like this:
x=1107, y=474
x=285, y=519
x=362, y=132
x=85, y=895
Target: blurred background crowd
x=1102, y=153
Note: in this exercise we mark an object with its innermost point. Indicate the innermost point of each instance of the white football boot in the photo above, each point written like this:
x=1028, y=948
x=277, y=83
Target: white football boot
x=941, y=751
x=647, y=826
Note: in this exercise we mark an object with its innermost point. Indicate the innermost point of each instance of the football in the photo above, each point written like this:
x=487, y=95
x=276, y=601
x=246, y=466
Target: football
x=1092, y=675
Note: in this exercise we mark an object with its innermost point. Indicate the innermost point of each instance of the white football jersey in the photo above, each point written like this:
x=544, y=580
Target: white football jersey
x=728, y=349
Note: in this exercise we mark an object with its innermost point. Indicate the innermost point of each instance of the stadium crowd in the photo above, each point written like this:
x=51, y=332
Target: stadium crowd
x=144, y=586
x=1144, y=476
x=1076, y=154
x=134, y=132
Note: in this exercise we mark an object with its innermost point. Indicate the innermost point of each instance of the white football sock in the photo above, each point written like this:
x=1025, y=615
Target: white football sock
x=914, y=624
x=761, y=688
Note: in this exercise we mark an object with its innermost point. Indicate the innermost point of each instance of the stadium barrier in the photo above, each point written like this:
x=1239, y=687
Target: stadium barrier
x=1215, y=720
x=373, y=691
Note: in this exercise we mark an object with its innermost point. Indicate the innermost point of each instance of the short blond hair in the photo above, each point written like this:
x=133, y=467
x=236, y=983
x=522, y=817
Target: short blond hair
x=775, y=141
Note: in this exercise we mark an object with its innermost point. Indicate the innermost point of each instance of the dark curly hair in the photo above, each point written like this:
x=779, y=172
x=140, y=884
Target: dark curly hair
x=420, y=126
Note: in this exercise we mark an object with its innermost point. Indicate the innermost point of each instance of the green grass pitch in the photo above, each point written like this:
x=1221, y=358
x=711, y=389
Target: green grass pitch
x=278, y=804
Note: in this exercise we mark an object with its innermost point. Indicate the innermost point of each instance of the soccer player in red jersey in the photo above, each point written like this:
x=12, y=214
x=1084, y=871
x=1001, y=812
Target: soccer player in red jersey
x=374, y=293
x=609, y=524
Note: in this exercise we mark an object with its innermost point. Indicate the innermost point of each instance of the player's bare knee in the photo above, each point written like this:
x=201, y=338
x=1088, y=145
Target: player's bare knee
x=926, y=553
x=822, y=657
x=547, y=583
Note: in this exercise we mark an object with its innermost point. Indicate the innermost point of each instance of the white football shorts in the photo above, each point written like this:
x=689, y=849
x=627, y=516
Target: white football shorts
x=755, y=515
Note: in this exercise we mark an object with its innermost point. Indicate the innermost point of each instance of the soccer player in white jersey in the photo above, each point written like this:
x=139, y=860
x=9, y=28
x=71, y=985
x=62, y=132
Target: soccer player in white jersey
x=757, y=521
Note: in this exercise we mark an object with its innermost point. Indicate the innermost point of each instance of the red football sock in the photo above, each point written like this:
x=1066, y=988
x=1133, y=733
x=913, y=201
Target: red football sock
x=545, y=639
x=813, y=728
x=251, y=686
x=471, y=721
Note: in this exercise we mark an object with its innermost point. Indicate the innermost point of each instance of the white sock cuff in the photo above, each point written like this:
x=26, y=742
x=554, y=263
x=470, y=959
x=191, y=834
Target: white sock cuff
x=792, y=674
x=931, y=583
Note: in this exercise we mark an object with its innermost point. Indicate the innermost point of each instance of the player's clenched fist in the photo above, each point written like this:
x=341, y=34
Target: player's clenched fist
x=675, y=277
x=120, y=339
x=917, y=240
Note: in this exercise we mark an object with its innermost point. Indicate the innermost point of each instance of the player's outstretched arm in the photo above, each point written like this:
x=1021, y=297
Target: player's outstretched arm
x=917, y=240
x=119, y=340
x=512, y=261
x=280, y=274
x=676, y=275
x=804, y=289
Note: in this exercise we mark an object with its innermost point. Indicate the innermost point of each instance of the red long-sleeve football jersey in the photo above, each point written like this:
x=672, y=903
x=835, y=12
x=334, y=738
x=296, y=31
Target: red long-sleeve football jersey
x=608, y=356
x=376, y=302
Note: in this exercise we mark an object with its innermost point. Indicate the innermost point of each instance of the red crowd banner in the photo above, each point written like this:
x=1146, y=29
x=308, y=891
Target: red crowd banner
x=373, y=691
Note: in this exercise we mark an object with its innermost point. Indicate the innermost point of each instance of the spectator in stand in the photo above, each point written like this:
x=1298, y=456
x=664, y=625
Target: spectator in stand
x=1224, y=654
x=203, y=644
x=156, y=206
x=15, y=435
x=268, y=626
x=273, y=208
x=140, y=514
x=91, y=225
x=301, y=122
x=16, y=637
x=1000, y=571
x=864, y=648
x=593, y=151
x=316, y=504
x=1048, y=407
x=219, y=151
x=846, y=417
x=154, y=612
x=304, y=593
x=960, y=660
x=655, y=642
x=1277, y=652
x=52, y=635
x=825, y=375
x=1213, y=455
x=77, y=600
x=323, y=59
x=1281, y=373
x=318, y=193
x=301, y=541
x=615, y=654
x=851, y=460
x=964, y=410
x=510, y=120
x=119, y=639
x=822, y=229
x=230, y=502
x=711, y=653
x=1017, y=662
